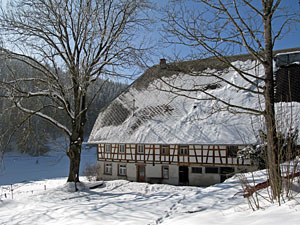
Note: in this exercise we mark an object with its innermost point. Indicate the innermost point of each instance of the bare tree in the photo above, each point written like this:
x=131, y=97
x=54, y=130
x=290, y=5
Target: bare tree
x=70, y=44
x=221, y=28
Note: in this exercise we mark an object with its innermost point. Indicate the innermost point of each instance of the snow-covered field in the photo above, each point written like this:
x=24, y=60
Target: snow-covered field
x=18, y=168
x=41, y=196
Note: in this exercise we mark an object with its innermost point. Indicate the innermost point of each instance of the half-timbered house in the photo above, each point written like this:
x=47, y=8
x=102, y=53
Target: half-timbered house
x=148, y=134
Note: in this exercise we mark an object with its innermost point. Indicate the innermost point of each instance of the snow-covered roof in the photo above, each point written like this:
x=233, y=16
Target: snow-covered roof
x=145, y=114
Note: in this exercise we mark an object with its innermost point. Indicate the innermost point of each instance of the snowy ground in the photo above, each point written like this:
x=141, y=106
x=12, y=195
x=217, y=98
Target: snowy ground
x=48, y=200
x=18, y=168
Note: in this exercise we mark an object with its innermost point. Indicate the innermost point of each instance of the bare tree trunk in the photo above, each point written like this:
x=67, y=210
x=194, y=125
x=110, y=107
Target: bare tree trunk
x=272, y=149
x=74, y=156
x=76, y=139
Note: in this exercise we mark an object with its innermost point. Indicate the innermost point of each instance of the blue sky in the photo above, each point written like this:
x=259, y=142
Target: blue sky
x=289, y=40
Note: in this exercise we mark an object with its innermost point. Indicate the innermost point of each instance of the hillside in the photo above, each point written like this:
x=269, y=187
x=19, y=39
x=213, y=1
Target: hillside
x=31, y=134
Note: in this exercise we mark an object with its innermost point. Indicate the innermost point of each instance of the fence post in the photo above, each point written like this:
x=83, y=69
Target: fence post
x=12, y=191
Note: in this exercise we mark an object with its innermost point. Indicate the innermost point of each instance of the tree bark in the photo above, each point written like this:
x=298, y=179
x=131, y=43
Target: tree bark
x=74, y=157
x=269, y=115
x=76, y=139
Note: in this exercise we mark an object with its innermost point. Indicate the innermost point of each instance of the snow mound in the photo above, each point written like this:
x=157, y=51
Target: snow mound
x=123, y=202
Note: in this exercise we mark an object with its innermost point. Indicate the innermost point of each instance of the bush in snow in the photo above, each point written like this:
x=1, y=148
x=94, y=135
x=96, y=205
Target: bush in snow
x=256, y=153
x=90, y=171
x=287, y=149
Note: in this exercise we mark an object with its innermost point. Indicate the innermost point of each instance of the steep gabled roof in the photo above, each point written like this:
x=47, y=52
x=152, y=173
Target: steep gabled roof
x=145, y=114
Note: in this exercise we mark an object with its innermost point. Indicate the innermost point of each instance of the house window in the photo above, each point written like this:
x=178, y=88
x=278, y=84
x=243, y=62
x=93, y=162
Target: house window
x=165, y=150
x=196, y=170
x=165, y=172
x=212, y=169
x=226, y=170
x=232, y=150
x=108, y=169
x=108, y=148
x=140, y=149
x=183, y=150
x=121, y=148
x=122, y=170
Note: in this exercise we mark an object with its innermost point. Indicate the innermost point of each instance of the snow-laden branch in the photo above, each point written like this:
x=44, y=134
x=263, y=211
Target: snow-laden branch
x=44, y=116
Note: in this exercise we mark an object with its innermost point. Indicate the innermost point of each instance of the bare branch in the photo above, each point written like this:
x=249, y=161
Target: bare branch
x=69, y=45
x=44, y=116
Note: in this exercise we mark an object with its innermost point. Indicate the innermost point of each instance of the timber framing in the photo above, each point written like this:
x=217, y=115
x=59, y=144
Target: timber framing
x=175, y=154
x=147, y=135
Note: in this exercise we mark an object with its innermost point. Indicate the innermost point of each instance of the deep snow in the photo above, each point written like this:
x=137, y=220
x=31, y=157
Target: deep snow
x=52, y=201
x=20, y=168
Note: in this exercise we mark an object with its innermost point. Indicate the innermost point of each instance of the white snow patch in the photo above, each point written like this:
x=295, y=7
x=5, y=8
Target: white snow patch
x=123, y=202
x=52, y=201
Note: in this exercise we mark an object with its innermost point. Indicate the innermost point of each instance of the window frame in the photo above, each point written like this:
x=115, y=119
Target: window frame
x=227, y=170
x=163, y=174
x=107, y=165
x=119, y=170
x=186, y=148
x=106, y=149
x=165, y=147
x=212, y=168
x=122, y=152
x=195, y=168
x=139, y=147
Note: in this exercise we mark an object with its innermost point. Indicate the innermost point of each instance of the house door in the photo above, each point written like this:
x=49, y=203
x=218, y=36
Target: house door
x=141, y=173
x=183, y=175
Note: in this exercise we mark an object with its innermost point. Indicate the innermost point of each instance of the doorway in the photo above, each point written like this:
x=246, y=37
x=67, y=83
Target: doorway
x=141, y=173
x=183, y=175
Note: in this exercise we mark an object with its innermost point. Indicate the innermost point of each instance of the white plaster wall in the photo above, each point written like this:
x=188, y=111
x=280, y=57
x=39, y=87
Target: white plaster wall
x=131, y=171
x=195, y=179
x=103, y=176
x=173, y=174
x=114, y=175
x=153, y=171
